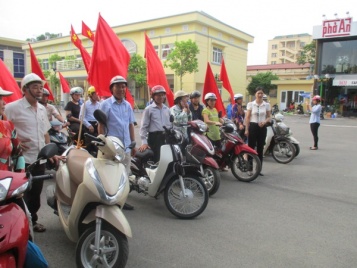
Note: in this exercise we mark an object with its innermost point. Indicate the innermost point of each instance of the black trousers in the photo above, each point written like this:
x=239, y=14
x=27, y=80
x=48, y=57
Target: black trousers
x=155, y=141
x=91, y=148
x=33, y=197
x=256, y=138
x=314, y=130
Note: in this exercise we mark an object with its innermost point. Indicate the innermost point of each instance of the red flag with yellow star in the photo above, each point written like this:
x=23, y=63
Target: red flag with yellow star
x=84, y=53
x=87, y=32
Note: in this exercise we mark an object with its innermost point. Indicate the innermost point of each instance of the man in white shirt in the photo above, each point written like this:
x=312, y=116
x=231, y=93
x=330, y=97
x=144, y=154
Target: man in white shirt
x=32, y=125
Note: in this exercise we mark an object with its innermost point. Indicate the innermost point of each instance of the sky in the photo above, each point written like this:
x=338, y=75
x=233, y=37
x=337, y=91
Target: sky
x=261, y=19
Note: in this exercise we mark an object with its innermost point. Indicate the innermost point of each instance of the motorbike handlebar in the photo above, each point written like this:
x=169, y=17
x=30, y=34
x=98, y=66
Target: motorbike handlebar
x=42, y=177
x=93, y=137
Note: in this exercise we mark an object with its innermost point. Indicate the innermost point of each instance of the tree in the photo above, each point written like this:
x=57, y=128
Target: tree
x=264, y=80
x=44, y=36
x=50, y=74
x=183, y=58
x=137, y=70
x=307, y=54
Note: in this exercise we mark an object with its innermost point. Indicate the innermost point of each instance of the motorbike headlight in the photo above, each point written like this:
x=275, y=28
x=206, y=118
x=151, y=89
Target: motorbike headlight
x=202, y=126
x=119, y=149
x=21, y=189
x=4, y=188
x=108, y=199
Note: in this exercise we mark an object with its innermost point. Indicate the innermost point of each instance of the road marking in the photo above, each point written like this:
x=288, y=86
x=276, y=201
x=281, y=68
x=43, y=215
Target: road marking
x=337, y=126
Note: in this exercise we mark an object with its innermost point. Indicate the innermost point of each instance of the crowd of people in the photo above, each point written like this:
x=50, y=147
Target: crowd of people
x=25, y=123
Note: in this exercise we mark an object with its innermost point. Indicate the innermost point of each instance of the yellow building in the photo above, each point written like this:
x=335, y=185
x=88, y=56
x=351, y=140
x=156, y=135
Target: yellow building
x=213, y=37
x=285, y=48
x=13, y=56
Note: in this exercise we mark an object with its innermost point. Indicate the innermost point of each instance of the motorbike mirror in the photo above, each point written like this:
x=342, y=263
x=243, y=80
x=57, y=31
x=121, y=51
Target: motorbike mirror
x=48, y=151
x=132, y=145
x=172, y=118
x=100, y=117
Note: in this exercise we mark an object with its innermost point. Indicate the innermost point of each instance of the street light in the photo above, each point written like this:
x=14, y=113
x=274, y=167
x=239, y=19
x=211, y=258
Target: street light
x=321, y=80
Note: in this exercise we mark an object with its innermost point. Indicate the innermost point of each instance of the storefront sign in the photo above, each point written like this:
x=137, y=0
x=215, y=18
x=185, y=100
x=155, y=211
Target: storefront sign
x=336, y=27
x=344, y=82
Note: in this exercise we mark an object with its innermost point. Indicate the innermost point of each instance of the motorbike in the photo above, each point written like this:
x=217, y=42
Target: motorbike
x=275, y=109
x=15, y=219
x=300, y=108
x=58, y=137
x=199, y=156
x=185, y=194
x=88, y=196
x=233, y=152
x=280, y=142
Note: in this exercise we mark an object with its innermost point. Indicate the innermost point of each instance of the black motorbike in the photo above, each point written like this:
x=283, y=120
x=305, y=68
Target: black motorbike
x=300, y=109
x=275, y=109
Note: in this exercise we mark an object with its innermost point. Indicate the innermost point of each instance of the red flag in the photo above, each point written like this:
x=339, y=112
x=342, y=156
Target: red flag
x=64, y=84
x=225, y=81
x=155, y=71
x=211, y=86
x=8, y=82
x=84, y=53
x=35, y=67
x=87, y=32
x=109, y=58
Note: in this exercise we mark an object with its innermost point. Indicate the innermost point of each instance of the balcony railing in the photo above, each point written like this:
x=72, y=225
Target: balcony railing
x=70, y=65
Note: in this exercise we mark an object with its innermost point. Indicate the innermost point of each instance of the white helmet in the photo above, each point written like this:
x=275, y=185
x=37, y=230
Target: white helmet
x=117, y=79
x=238, y=96
x=46, y=92
x=279, y=117
x=265, y=97
x=210, y=96
x=76, y=90
x=31, y=78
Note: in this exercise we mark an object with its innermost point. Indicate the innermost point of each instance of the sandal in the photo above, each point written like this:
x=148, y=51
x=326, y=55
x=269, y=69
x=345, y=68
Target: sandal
x=39, y=228
x=313, y=148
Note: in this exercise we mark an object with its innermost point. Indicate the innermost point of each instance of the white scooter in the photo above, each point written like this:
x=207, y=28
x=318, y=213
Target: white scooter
x=185, y=195
x=280, y=141
x=89, y=196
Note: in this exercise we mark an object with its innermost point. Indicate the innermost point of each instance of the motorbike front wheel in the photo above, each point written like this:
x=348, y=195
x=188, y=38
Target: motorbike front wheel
x=113, y=252
x=297, y=149
x=212, y=179
x=283, y=152
x=246, y=166
x=190, y=203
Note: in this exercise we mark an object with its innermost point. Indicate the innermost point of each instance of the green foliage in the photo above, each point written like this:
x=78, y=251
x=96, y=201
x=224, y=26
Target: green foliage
x=137, y=70
x=264, y=80
x=307, y=54
x=43, y=36
x=183, y=58
x=71, y=57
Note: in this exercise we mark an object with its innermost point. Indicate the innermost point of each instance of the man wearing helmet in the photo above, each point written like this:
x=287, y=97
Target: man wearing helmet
x=195, y=107
x=51, y=110
x=31, y=123
x=238, y=114
x=88, y=118
x=120, y=116
x=155, y=117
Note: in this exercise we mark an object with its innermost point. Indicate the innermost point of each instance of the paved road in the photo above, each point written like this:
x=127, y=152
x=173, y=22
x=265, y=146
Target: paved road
x=302, y=214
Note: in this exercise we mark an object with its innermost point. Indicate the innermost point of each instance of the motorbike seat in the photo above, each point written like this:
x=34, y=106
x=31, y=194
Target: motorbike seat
x=75, y=163
x=145, y=155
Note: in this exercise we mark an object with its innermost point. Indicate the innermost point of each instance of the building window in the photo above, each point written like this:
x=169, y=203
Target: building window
x=165, y=50
x=45, y=64
x=302, y=44
x=204, y=29
x=19, y=65
x=152, y=33
x=219, y=35
x=231, y=40
x=273, y=62
x=167, y=30
x=273, y=55
x=185, y=28
x=217, y=55
x=2, y=55
x=156, y=50
x=274, y=46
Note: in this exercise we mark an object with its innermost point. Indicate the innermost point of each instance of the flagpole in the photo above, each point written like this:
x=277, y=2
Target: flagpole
x=81, y=121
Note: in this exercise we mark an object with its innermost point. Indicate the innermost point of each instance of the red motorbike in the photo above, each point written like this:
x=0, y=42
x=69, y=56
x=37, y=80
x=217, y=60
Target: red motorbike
x=233, y=152
x=15, y=223
x=199, y=156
